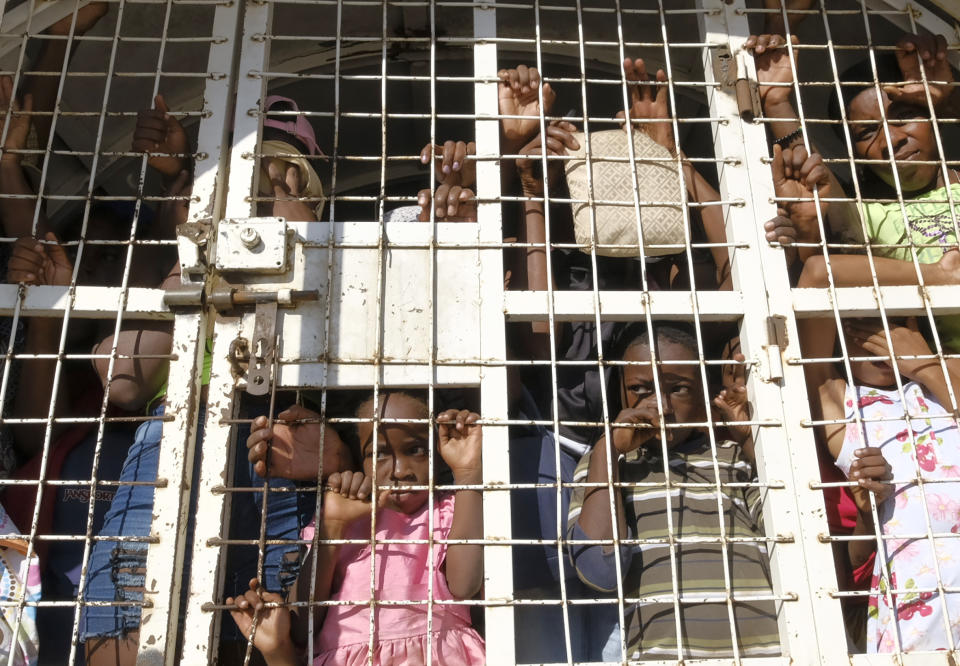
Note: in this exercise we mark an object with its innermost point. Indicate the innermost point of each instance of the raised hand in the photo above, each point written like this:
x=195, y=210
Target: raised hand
x=732, y=399
x=772, y=58
x=453, y=165
x=272, y=635
x=461, y=444
x=452, y=203
x=869, y=470
x=19, y=121
x=907, y=341
x=649, y=102
x=795, y=174
x=33, y=262
x=519, y=97
x=159, y=132
x=932, y=50
x=559, y=139
x=292, y=447
x=630, y=439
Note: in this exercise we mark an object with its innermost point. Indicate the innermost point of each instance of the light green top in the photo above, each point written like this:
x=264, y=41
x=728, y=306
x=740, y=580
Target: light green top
x=929, y=227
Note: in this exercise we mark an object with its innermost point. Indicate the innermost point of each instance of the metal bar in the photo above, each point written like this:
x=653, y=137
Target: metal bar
x=791, y=511
x=497, y=561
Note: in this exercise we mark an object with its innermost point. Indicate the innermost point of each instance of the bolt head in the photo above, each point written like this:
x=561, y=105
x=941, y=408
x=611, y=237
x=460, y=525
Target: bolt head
x=249, y=237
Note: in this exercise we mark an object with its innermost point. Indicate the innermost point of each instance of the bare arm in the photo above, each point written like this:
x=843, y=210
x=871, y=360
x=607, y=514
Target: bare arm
x=17, y=212
x=533, y=228
x=825, y=387
x=461, y=444
x=35, y=263
x=52, y=53
x=595, y=518
x=700, y=191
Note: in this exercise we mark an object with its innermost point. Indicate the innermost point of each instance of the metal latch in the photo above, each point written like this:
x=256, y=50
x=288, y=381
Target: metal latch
x=252, y=245
x=263, y=350
x=260, y=354
x=776, y=343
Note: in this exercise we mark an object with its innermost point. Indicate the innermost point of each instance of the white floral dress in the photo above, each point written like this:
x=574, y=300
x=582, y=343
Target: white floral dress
x=19, y=578
x=922, y=617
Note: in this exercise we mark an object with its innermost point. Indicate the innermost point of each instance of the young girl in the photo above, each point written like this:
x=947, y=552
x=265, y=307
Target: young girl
x=403, y=571
x=918, y=179
x=887, y=446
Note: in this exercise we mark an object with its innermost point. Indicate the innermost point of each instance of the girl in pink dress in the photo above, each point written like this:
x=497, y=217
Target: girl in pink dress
x=411, y=578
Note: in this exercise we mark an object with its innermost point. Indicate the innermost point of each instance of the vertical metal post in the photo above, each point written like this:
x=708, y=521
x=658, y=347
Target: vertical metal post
x=784, y=454
x=497, y=560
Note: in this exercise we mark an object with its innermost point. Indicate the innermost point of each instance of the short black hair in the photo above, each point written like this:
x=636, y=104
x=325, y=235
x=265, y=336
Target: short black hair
x=637, y=333
x=417, y=395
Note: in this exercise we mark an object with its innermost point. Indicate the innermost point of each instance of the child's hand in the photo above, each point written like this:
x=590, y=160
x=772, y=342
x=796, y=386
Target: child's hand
x=795, y=174
x=932, y=49
x=461, y=445
x=452, y=203
x=519, y=97
x=907, y=341
x=347, y=498
x=780, y=229
x=291, y=448
x=772, y=58
x=32, y=262
x=159, y=132
x=650, y=102
x=869, y=469
x=272, y=633
x=630, y=439
x=559, y=138
x=732, y=400
x=452, y=166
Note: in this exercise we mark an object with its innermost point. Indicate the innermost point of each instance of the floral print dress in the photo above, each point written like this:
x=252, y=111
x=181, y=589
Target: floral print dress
x=19, y=579
x=923, y=618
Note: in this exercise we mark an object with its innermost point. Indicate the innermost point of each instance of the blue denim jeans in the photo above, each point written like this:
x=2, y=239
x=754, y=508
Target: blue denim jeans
x=116, y=569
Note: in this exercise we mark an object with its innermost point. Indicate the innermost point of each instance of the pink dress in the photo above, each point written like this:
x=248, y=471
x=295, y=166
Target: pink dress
x=402, y=573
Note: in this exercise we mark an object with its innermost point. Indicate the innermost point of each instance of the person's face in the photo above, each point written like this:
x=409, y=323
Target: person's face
x=681, y=392
x=403, y=450
x=870, y=373
x=912, y=141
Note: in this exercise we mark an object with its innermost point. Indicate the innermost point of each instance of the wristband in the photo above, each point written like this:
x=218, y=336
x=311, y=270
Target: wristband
x=785, y=141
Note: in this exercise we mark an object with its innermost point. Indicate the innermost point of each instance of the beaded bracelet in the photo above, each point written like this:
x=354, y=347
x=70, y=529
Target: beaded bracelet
x=785, y=141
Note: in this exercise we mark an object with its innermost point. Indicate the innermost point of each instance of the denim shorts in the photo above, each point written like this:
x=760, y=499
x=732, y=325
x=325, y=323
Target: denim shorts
x=116, y=571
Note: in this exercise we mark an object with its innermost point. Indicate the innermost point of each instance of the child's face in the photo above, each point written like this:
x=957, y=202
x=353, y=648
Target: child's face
x=912, y=141
x=403, y=450
x=869, y=373
x=680, y=387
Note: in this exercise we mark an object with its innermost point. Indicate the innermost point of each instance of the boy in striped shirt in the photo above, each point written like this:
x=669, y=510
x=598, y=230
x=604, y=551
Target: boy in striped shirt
x=676, y=496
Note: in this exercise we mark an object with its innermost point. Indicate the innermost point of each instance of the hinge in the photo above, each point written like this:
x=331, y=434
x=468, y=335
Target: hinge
x=776, y=343
x=258, y=356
